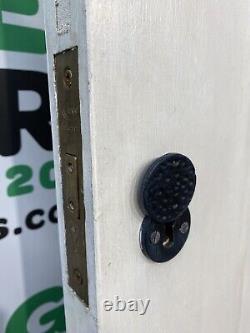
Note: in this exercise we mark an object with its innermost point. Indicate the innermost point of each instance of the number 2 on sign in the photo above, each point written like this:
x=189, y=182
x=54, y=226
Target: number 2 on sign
x=22, y=176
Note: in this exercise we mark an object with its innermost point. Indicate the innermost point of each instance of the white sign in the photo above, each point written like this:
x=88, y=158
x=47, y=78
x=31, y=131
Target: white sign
x=30, y=279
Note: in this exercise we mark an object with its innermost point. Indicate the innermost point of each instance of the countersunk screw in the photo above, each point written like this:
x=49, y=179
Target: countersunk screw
x=155, y=237
x=78, y=276
x=184, y=227
x=68, y=74
x=70, y=167
x=71, y=206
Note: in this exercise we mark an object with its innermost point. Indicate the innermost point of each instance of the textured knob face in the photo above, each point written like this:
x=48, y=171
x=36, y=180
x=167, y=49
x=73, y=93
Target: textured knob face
x=168, y=187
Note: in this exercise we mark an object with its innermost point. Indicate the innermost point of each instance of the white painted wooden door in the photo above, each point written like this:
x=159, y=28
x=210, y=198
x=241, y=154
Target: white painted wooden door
x=156, y=77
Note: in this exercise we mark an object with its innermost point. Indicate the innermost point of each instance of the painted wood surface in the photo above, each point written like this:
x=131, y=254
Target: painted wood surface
x=157, y=77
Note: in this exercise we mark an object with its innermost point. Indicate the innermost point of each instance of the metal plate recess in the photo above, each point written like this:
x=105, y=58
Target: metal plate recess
x=70, y=137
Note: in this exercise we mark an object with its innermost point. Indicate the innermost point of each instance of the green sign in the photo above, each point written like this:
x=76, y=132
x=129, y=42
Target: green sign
x=18, y=38
x=44, y=313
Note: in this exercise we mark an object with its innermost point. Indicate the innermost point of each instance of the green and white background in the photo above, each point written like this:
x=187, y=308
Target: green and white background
x=31, y=299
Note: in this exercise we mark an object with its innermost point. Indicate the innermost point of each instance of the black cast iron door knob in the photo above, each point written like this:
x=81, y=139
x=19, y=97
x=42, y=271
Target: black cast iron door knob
x=165, y=192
